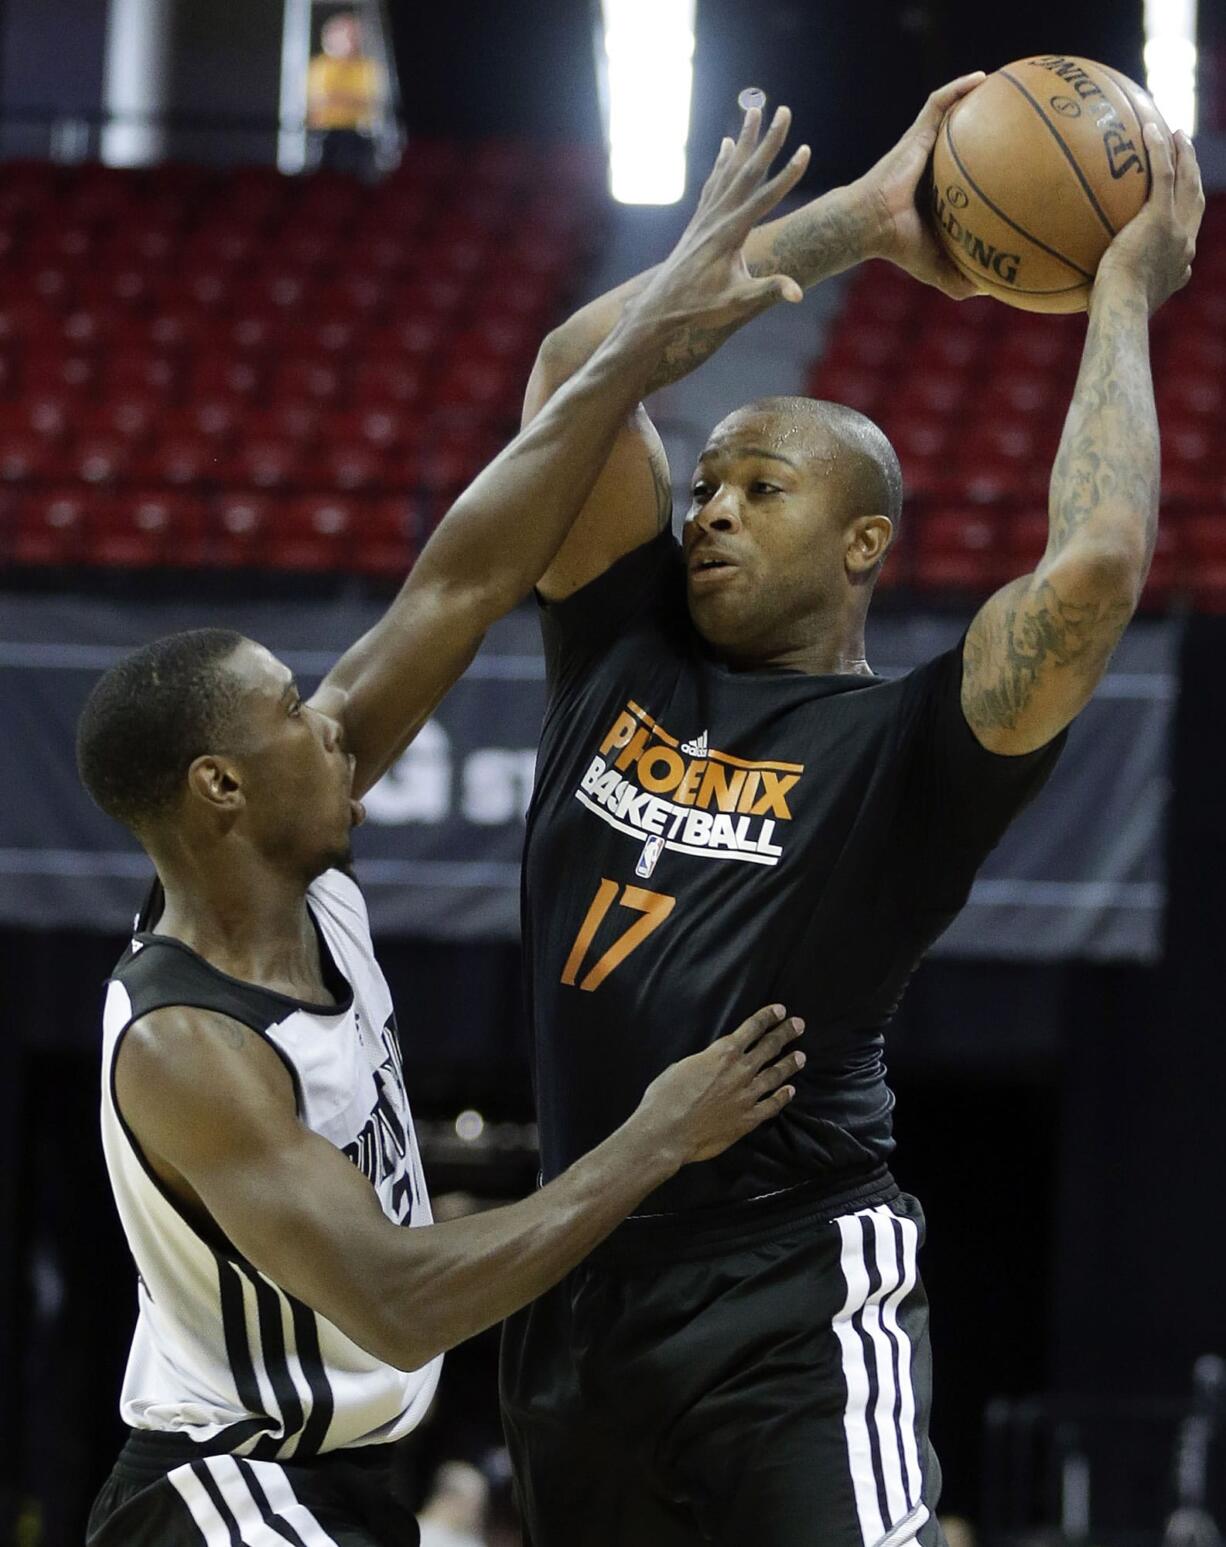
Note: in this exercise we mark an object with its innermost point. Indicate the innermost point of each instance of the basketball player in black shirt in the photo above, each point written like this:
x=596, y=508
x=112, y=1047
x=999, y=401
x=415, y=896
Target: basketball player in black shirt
x=255, y=1120
x=731, y=806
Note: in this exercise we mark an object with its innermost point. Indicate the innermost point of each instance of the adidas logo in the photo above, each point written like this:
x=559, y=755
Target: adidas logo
x=697, y=747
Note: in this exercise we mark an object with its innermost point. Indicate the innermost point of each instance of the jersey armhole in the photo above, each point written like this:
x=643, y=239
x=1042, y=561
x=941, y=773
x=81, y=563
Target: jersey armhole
x=231, y=1251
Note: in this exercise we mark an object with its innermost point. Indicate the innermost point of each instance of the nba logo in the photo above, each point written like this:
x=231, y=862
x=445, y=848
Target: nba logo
x=650, y=856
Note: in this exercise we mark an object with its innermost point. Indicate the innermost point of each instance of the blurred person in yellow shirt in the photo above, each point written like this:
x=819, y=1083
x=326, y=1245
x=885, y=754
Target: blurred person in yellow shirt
x=344, y=96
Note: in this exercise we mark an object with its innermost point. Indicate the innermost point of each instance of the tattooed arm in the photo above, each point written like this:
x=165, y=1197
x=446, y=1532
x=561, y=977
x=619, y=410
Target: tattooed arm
x=874, y=217
x=1038, y=648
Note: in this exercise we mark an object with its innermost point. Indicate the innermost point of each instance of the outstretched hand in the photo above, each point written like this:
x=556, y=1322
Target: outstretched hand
x=893, y=190
x=705, y=280
x=1157, y=246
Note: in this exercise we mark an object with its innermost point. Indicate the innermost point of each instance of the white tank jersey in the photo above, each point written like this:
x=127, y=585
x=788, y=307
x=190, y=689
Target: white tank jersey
x=220, y=1353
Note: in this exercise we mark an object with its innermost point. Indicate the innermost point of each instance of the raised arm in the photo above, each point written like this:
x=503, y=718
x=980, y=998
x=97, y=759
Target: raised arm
x=1038, y=648
x=213, y=1109
x=497, y=540
x=876, y=216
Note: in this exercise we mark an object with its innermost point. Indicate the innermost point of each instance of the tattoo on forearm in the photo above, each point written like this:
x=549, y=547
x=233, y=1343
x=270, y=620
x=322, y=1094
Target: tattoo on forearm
x=664, y=490
x=1038, y=648
x=815, y=242
x=1104, y=483
x=1027, y=629
x=687, y=349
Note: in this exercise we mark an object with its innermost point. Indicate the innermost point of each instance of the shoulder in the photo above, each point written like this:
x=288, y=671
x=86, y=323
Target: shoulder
x=198, y=1053
x=643, y=587
x=179, y=1069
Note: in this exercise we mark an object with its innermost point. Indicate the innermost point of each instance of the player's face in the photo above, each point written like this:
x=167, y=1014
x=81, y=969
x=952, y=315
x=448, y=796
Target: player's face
x=296, y=775
x=765, y=536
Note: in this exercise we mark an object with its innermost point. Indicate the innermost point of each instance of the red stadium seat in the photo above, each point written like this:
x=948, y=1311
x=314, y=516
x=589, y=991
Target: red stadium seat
x=99, y=458
x=1165, y=570
x=311, y=533
x=861, y=389
x=349, y=469
x=139, y=530
x=180, y=459
x=307, y=377
x=381, y=425
x=382, y=540
x=49, y=528
x=290, y=419
x=1203, y=543
x=225, y=375
x=266, y=463
x=131, y=416
x=388, y=380
x=958, y=550
x=1026, y=533
x=237, y=530
x=25, y=457
x=53, y=369
x=143, y=370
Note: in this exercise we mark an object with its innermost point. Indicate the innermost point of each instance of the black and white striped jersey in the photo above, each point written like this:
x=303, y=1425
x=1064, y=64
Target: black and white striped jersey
x=220, y=1353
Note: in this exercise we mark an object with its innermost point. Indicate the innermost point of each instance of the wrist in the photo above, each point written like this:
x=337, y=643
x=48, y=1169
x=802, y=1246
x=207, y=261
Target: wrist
x=1119, y=281
x=868, y=208
x=654, y=1152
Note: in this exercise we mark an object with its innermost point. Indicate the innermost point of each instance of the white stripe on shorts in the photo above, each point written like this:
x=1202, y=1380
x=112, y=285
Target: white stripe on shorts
x=870, y=1316
x=241, y=1507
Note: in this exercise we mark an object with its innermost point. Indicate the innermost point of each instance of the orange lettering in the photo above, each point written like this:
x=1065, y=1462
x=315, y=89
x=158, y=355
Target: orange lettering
x=774, y=793
x=724, y=787
x=750, y=793
x=633, y=749
x=687, y=792
x=673, y=764
x=623, y=729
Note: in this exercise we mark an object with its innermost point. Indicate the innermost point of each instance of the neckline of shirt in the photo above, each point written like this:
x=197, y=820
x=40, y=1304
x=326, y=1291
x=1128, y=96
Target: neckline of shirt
x=332, y=973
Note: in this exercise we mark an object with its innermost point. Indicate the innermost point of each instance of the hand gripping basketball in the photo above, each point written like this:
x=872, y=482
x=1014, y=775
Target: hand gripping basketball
x=892, y=191
x=708, y=1101
x=705, y=279
x=1157, y=246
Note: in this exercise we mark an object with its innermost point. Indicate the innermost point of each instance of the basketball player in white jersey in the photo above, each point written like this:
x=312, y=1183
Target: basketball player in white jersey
x=254, y=1116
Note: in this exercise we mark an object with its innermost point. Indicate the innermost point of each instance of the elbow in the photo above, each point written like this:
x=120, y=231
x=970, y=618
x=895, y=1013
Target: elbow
x=406, y=1341
x=1104, y=572
x=411, y=1354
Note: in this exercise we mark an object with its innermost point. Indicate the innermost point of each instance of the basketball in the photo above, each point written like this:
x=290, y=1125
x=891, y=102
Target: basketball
x=1034, y=172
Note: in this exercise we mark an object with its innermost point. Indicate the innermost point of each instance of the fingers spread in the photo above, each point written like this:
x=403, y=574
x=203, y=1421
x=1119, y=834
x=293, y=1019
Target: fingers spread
x=771, y=1045
x=765, y=199
x=774, y=1075
x=771, y=1106
x=749, y=1032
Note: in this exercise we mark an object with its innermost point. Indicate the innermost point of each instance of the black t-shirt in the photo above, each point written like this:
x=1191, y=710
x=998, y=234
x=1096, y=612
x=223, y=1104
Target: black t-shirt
x=702, y=842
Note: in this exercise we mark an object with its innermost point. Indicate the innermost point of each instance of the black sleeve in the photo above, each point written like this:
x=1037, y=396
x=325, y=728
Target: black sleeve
x=958, y=798
x=647, y=582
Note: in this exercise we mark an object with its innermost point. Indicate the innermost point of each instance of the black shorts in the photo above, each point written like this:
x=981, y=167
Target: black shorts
x=761, y=1377
x=165, y=1491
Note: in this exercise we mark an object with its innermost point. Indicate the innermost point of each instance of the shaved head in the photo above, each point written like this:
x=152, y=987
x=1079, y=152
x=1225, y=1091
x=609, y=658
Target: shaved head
x=861, y=458
x=794, y=506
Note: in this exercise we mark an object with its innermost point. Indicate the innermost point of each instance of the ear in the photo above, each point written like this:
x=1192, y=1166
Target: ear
x=217, y=781
x=869, y=538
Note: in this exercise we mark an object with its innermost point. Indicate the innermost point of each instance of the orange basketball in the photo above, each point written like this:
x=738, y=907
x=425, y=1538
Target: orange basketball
x=1034, y=172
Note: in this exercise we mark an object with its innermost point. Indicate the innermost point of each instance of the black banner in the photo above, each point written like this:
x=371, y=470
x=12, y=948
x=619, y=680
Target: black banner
x=1080, y=875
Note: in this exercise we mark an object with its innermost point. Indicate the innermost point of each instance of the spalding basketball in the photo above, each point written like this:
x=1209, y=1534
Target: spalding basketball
x=1034, y=172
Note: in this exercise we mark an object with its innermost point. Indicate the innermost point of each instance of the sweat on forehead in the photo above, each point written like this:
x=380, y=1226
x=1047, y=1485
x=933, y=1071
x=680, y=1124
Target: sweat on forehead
x=810, y=429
